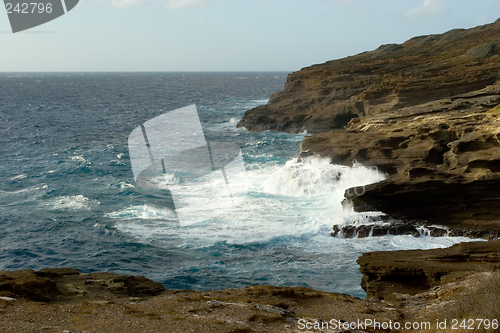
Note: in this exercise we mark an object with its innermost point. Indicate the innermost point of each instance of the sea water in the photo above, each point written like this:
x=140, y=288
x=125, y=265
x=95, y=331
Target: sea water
x=68, y=196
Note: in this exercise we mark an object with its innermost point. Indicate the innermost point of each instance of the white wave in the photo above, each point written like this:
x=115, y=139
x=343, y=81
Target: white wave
x=305, y=133
x=315, y=176
x=296, y=199
x=80, y=159
x=364, y=218
x=25, y=190
x=24, y=195
x=126, y=185
x=286, y=203
x=19, y=177
x=260, y=101
x=75, y=202
x=144, y=212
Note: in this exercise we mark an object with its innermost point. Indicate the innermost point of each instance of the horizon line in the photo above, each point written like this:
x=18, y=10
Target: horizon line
x=241, y=71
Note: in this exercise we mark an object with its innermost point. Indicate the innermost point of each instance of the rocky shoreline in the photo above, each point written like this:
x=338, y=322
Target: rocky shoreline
x=425, y=112
x=402, y=287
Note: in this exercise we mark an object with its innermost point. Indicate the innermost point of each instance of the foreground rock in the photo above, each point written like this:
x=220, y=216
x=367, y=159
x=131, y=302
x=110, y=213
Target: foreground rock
x=105, y=304
x=415, y=271
x=462, y=301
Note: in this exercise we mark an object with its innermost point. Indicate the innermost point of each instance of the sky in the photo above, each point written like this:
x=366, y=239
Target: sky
x=226, y=35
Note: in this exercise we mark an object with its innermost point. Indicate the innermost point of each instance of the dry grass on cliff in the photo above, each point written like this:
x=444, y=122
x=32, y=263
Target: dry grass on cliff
x=495, y=111
x=481, y=301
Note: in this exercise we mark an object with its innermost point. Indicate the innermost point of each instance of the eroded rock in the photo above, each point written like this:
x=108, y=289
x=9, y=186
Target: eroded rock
x=373, y=230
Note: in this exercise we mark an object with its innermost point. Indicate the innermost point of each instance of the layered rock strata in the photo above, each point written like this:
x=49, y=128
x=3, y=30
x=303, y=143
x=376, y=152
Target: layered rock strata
x=413, y=228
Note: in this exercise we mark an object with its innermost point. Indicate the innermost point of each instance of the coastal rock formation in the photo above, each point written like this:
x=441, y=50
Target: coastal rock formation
x=415, y=271
x=435, y=140
x=442, y=158
x=474, y=296
x=371, y=225
x=425, y=112
x=378, y=229
x=413, y=228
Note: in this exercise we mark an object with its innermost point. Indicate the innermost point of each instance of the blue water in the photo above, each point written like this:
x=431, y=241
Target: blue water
x=68, y=197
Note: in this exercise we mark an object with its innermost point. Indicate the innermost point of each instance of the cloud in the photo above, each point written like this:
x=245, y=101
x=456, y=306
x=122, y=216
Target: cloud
x=127, y=3
x=427, y=10
x=178, y=4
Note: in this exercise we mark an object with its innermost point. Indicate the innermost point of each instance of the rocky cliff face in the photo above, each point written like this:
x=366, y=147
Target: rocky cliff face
x=425, y=112
x=423, y=69
x=58, y=284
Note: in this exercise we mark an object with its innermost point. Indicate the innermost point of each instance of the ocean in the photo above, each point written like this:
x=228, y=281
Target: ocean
x=68, y=196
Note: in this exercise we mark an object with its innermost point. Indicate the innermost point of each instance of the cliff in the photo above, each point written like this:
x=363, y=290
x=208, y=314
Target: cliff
x=425, y=112
x=395, y=76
